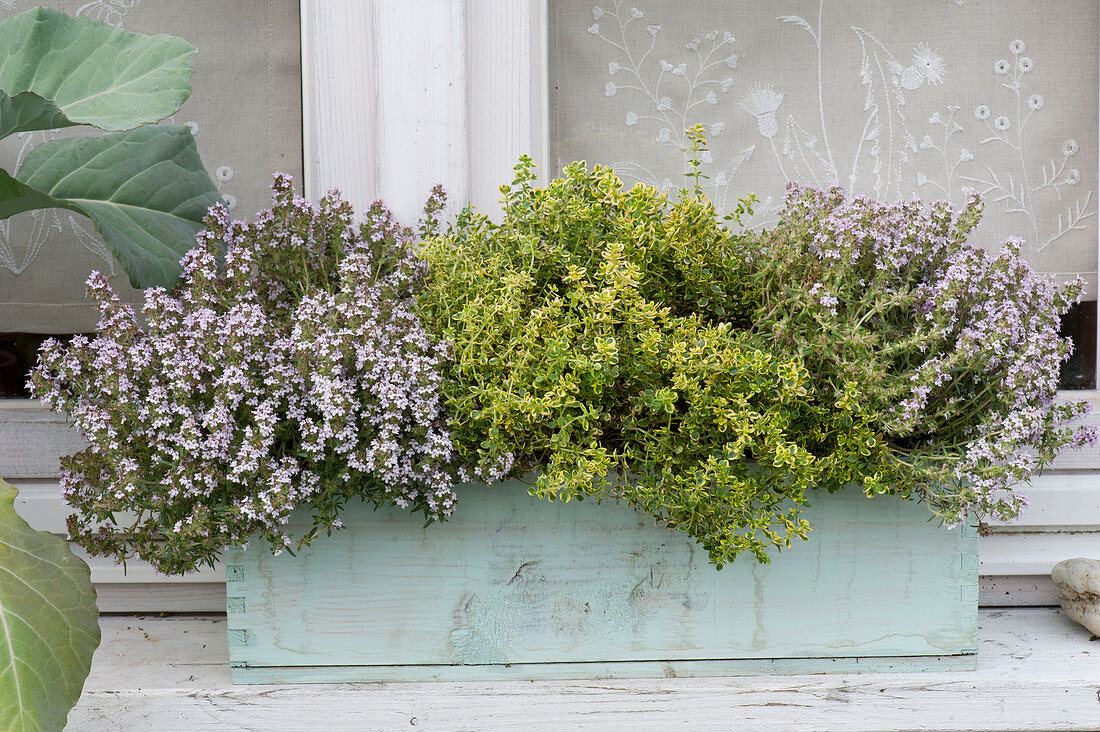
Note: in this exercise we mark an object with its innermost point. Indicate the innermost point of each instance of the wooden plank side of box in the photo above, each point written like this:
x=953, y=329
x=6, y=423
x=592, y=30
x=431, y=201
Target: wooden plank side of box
x=514, y=580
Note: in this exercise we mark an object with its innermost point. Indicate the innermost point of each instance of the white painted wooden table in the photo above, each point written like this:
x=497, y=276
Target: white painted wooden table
x=1036, y=670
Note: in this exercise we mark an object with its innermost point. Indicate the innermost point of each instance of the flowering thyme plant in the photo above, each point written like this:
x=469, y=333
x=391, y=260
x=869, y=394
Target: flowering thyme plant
x=952, y=354
x=297, y=373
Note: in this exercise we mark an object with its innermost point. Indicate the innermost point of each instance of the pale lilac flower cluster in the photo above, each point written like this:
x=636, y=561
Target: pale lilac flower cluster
x=999, y=322
x=956, y=350
x=294, y=372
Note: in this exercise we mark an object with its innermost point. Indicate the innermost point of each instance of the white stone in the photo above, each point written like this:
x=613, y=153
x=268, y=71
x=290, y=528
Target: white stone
x=1078, y=583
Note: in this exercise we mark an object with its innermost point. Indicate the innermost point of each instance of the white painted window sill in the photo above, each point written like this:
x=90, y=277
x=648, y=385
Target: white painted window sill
x=1036, y=670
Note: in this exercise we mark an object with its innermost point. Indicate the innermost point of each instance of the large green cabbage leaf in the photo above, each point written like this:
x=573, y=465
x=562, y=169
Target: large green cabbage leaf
x=145, y=189
x=57, y=71
x=49, y=625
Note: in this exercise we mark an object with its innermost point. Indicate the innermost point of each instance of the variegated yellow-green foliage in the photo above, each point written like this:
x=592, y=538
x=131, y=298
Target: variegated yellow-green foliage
x=601, y=335
x=48, y=624
x=626, y=344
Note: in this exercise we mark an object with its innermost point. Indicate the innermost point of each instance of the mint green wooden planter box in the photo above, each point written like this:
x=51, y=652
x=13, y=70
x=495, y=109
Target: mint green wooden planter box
x=514, y=587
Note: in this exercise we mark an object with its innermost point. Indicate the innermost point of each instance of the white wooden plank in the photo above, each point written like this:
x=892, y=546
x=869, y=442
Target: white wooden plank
x=420, y=118
x=387, y=117
x=504, y=85
x=339, y=107
x=310, y=109
x=161, y=597
x=1032, y=554
x=1060, y=501
x=1036, y=670
x=107, y=571
x=800, y=703
x=427, y=92
x=147, y=651
x=32, y=440
x=1017, y=591
x=540, y=108
x=40, y=503
x=1053, y=498
x=1057, y=499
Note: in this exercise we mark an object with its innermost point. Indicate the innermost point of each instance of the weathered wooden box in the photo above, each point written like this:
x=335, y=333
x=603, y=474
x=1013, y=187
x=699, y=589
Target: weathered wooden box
x=515, y=587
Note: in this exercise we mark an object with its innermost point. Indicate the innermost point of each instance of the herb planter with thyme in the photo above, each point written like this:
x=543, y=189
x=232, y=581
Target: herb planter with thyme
x=643, y=367
x=619, y=347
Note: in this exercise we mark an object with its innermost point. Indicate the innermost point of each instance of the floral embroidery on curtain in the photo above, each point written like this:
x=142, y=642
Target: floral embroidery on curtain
x=896, y=99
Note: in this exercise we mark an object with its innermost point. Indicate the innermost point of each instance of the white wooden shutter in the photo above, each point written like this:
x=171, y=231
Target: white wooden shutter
x=404, y=94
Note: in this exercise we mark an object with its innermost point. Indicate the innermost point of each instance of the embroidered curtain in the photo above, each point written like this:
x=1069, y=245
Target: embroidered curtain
x=245, y=113
x=893, y=98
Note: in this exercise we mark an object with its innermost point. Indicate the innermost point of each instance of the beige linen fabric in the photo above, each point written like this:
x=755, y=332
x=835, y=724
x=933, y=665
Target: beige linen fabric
x=892, y=98
x=245, y=112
